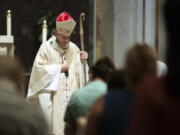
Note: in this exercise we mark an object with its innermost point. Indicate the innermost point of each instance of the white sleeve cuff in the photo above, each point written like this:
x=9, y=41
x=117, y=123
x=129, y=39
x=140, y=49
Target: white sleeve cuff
x=54, y=84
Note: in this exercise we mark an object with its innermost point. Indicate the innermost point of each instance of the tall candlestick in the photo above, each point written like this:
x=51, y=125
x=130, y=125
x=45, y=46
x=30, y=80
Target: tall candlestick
x=9, y=22
x=44, y=31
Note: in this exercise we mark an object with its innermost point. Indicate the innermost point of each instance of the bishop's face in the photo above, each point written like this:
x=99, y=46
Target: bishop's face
x=61, y=39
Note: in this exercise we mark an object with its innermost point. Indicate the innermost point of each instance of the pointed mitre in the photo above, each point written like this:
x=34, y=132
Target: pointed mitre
x=65, y=24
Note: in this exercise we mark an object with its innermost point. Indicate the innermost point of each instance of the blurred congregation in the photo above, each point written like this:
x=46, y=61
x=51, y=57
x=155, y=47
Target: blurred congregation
x=73, y=88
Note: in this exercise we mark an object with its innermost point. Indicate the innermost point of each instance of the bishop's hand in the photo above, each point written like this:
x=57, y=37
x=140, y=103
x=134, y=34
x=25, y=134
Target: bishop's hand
x=84, y=55
x=64, y=68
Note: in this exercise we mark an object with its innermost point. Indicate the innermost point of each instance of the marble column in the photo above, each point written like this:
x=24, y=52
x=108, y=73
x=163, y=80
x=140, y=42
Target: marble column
x=125, y=32
x=120, y=25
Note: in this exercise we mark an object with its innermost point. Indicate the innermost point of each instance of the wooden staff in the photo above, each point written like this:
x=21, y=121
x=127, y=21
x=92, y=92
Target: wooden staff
x=81, y=19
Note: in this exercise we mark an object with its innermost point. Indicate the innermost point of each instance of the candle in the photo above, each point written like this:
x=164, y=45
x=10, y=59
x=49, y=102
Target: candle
x=9, y=23
x=44, y=31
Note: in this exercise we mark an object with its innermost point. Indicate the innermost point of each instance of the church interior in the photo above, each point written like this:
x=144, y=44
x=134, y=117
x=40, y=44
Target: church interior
x=122, y=68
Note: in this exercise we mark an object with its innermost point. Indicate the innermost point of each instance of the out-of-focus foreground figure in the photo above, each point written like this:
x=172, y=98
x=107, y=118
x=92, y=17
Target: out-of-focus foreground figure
x=11, y=75
x=82, y=99
x=17, y=117
x=157, y=104
x=110, y=114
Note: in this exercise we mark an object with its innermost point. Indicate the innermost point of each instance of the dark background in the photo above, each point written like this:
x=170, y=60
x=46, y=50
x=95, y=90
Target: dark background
x=26, y=30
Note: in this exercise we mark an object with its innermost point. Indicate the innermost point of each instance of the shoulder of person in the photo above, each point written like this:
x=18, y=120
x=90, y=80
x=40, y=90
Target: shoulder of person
x=47, y=43
x=51, y=41
x=73, y=45
x=161, y=68
x=161, y=64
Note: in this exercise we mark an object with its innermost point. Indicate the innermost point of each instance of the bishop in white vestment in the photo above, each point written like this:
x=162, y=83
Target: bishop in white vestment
x=56, y=73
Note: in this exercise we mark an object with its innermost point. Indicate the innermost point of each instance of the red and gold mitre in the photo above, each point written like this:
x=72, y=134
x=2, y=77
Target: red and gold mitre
x=65, y=24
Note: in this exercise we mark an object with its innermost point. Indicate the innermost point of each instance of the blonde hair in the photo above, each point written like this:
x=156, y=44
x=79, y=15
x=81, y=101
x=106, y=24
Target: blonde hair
x=140, y=60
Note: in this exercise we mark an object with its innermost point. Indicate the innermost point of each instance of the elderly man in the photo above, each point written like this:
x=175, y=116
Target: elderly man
x=57, y=72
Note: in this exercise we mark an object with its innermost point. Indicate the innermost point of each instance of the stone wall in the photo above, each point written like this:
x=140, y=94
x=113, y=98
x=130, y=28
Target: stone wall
x=116, y=28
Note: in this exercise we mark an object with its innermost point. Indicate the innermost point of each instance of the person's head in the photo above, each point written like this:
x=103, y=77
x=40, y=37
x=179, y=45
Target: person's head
x=102, y=69
x=65, y=25
x=116, y=79
x=17, y=117
x=61, y=39
x=11, y=72
x=140, y=61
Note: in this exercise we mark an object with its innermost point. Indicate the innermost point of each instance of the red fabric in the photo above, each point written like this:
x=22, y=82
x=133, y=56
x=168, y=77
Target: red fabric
x=63, y=17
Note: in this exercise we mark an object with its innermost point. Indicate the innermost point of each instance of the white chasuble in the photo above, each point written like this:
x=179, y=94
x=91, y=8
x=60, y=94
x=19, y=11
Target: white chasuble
x=48, y=87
